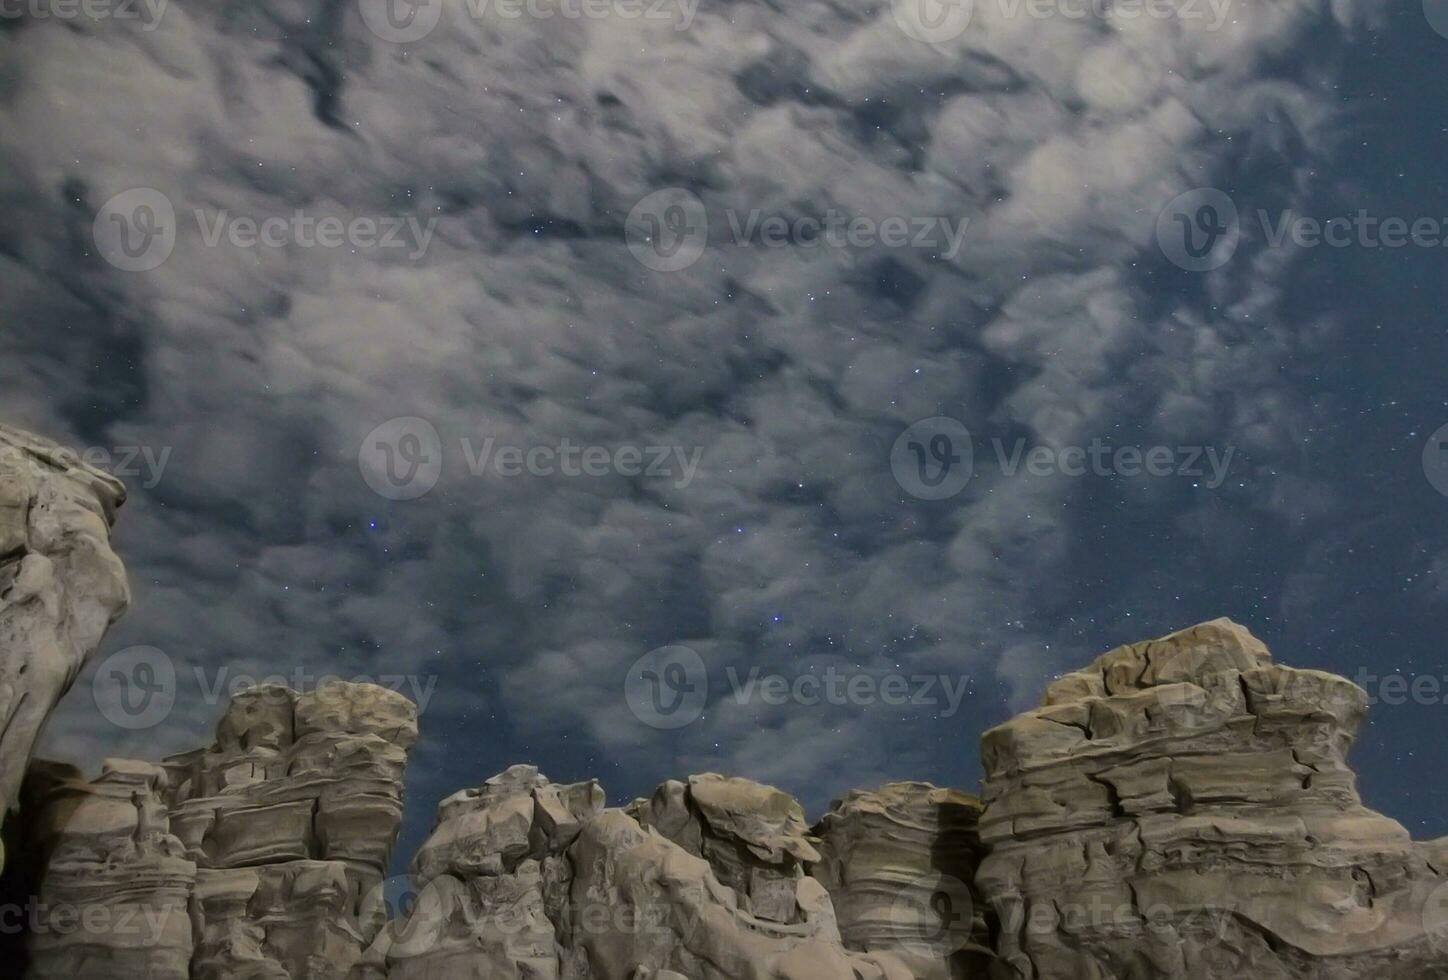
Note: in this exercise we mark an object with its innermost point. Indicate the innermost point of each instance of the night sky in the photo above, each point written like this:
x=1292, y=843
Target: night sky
x=533, y=168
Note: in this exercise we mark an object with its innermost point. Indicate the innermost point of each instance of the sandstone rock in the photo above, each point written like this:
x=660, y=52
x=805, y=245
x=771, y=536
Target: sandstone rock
x=525, y=879
x=899, y=864
x=754, y=837
x=1182, y=808
x=113, y=900
x=255, y=856
x=61, y=586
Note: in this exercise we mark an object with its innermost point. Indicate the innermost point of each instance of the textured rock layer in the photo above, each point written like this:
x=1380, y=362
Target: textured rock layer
x=259, y=857
x=1182, y=808
x=61, y=586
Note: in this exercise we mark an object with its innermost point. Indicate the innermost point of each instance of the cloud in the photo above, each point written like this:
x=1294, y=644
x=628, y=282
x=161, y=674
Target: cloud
x=790, y=370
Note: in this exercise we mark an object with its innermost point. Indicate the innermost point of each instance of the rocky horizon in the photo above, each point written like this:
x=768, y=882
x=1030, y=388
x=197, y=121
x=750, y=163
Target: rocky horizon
x=1180, y=808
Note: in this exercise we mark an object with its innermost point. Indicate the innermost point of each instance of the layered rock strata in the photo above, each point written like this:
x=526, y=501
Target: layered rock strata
x=525, y=879
x=61, y=586
x=259, y=857
x=1182, y=808
x=899, y=863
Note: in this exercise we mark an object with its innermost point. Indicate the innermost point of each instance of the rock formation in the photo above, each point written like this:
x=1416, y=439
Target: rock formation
x=707, y=880
x=899, y=863
x=61, y=586
x=258, y=858
x=1182, y=809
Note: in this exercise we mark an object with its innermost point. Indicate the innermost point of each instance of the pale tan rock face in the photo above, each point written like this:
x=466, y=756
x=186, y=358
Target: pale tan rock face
x=61, y=585
x=526, y=879
x=1182, y=808
x=899, y=863
x=258, y=857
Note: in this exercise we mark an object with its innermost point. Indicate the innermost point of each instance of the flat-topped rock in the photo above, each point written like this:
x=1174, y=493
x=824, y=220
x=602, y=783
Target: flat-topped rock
x=1183, y=808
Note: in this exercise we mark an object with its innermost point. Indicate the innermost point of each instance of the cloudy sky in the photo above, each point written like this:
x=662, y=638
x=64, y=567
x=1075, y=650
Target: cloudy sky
x=909, y=355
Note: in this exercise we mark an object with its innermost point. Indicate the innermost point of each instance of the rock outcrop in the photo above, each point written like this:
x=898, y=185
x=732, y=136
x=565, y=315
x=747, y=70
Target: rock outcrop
x=61, y=586
x=899, y=863
x=707, y=881
x=259, y=857
x=1182, y=809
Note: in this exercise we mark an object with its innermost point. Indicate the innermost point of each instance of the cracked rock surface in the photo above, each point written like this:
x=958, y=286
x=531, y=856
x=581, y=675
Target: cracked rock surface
x=1183, y=808
x=258, y=858
x=61, y=586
